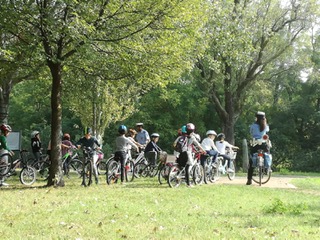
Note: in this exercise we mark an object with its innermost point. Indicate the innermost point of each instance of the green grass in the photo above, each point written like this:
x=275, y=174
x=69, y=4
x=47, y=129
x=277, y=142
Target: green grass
x=145, y=210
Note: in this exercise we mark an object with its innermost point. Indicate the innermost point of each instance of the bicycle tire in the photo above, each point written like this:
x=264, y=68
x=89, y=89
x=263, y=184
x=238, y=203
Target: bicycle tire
x=216, y=172
x=232, y=175
x=42, y=167
x=28, y=175
x=153, y=170
x=129, y=171
x=163, y=173
x=174, y=180
x=140, y=170
x=265, y=176
x=197, y=175
x=208, y=174
x=5, y=164
x=113, y=172
x=87, y=174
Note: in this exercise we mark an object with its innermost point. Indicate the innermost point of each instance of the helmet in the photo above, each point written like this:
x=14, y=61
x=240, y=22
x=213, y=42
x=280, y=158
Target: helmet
x=34, y=133
x=139, y=124
x=220, y=136
x=184, y=129
x=122, y=129
x=190, y=128
x=155, y=135
x=87, y=130
x=211, y=132
x=5, y=127
x=66, y=136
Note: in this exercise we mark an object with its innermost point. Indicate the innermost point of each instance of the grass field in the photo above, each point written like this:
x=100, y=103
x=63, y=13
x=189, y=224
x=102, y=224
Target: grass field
x=144, y=209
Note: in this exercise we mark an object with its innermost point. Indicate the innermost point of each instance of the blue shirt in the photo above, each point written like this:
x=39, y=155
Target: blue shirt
x=255, y=131
x=143, y=137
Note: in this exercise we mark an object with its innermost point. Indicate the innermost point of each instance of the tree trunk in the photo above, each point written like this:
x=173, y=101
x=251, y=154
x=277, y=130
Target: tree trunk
x=5, y=90
x=55, y=173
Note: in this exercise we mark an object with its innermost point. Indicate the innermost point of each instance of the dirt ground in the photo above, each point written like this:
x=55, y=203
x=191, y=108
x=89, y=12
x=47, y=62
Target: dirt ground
x=274, y=182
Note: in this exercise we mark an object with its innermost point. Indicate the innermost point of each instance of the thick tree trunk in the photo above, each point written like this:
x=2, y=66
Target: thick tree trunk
x=55, y=174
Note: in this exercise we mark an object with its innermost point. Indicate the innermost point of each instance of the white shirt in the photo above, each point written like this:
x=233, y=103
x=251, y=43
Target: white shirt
x=221, y=145
x=208, y=144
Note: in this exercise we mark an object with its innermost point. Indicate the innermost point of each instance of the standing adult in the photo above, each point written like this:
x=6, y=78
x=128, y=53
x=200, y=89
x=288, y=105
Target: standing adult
x=142, y=136
x=257, y=130
x=5, y=131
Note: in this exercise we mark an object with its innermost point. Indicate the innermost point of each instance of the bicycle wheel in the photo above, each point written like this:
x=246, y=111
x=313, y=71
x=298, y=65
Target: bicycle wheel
x=216, y=172
x=113, y=172
x=163, y=173
x=153, y=170
x=208, y=174
x=174, y=179
x=261, y=175
x=28, y=175
x=87, y=174
x=129, y=171
x=75, y=168
x=197, y=174
x=42, y=167
x=5, y=164
x=140, y=170
x=266, y=176
x=232, y=174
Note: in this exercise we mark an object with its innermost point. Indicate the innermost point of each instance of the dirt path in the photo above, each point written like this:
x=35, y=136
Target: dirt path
x=274, y=182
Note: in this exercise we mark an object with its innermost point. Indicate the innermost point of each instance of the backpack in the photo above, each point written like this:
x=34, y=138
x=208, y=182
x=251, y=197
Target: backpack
x=181, y=145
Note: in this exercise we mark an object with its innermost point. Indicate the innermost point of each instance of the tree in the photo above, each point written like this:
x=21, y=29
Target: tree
x=103, y=31
x=246, y=38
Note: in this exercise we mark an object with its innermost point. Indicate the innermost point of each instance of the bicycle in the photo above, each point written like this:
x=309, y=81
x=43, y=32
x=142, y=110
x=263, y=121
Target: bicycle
x=102, y=163
x=177, y=175
x=8, y=167
x=143, y=168
x=114, y=171
x=197, y=169
x=88, y=167
x=261, y=174
x=261, y=170
x=71, y=164
x=42, y=165
x=221, y=168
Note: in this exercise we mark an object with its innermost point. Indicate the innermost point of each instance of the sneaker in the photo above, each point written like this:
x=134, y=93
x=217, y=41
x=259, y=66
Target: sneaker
x=230, y=170
x=97, y=181
x=190, y=186
x=249, y=182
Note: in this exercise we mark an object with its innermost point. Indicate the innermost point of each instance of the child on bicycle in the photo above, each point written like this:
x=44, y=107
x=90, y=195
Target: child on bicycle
x=185, y=158
x=153, y=151
x=5, y=131
x=221, y=146
x=209, y=147
x=88, y=141
x=121, y=152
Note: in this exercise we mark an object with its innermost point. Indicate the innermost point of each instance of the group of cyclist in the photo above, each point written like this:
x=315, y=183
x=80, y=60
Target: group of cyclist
x=127, y=141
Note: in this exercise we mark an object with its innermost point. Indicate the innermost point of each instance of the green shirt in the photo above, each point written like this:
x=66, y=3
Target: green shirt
x=3, y=143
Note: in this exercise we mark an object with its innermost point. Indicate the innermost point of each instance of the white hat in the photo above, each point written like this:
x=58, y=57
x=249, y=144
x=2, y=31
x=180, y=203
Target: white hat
x=155, y=135
x=139, y=124
x=211, y=132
